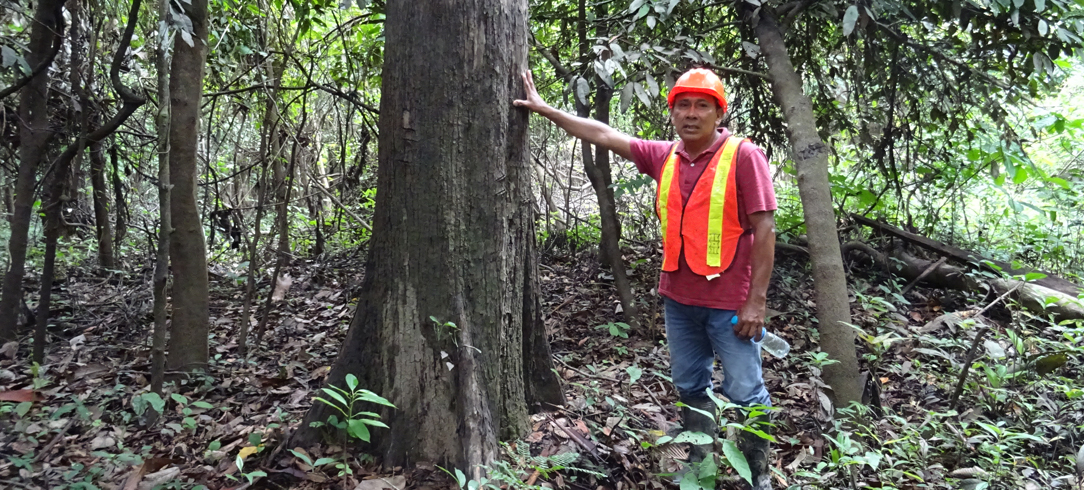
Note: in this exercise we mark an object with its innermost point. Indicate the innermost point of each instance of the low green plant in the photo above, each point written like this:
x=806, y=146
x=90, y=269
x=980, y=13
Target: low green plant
x=616, y=329
x=346, y=401
x=250, y=476
x=705, y=474
x=505, y=474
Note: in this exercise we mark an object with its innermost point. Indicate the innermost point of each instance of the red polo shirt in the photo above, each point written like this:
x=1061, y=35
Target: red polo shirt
x=755, y=193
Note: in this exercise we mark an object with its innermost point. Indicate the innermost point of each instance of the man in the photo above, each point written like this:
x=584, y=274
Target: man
x=716, y=206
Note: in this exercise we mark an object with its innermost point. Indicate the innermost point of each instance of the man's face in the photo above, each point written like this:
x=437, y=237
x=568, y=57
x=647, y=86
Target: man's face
x=695, y=116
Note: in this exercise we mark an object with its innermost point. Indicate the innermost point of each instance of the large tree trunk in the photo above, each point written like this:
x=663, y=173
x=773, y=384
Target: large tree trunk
x=810, y=155
x=187, y=250
x=453, y=239
x=34, y=136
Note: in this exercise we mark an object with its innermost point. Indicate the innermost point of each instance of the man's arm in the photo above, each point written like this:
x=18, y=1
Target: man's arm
x=751, y=315
x=589, y=130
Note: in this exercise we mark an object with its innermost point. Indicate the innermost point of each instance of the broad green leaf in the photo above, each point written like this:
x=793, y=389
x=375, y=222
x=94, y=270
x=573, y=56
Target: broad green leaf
x=1021, y=175
x=179, y=398
x=368, y=396
x=652, y=86
x=737, y=460
x=582, y=89
x=626, y=97
x=1049, y=364
x=634, y=374
x=22, y=408
x=1040, y=5
x=323, y=461
x=641, y=93
x=358, y=430
x=689, y=481
x=374, y=423
x=1034, y=276
x=339, y=398
x=1044, y=29
x=708, y=473
x=696, y=438
x=351, y=382
x=305, y=459
x=849, y=18
x=202, y=404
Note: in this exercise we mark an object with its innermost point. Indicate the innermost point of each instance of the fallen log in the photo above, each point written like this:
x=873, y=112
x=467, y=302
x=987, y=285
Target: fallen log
x=1032, y=295
x=1051, y=281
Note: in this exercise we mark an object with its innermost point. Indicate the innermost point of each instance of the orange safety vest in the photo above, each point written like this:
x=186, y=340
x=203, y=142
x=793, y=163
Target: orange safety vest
x=707, y=226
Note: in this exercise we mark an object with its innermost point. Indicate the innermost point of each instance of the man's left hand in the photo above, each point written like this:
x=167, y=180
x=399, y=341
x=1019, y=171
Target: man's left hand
x=750, y=318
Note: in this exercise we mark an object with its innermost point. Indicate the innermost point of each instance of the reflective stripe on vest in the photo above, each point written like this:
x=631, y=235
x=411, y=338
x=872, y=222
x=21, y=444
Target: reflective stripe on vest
x=707, y=226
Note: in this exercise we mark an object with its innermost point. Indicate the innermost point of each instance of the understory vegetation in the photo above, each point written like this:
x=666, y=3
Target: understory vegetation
x=957, y=182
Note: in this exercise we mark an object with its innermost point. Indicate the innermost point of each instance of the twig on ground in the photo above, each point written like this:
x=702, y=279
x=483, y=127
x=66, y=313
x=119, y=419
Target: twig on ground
x=922, y=276
x=966, y=369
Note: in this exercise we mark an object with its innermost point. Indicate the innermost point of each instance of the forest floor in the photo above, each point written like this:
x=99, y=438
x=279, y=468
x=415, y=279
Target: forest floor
x=84, y=418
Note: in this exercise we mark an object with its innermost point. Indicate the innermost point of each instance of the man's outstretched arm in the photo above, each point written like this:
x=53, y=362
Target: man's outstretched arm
x=589, y=130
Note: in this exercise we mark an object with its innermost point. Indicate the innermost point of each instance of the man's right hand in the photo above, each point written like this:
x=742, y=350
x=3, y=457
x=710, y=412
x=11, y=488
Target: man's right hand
x=533, y=101
x=589, y=130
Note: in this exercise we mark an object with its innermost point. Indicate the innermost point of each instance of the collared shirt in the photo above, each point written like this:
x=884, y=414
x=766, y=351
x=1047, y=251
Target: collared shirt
x=755, y=193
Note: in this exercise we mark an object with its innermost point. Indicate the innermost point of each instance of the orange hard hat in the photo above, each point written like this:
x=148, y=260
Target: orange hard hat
x=701, y=81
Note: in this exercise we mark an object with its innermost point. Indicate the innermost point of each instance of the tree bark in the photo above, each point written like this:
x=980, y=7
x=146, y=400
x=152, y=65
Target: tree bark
x=34, y=136
x=57, y=186
x=810, y=155
x=101, y=206
x=270, y=149
x=453, y=239
x=165, y=223
x=187, y=249
x=119, y=206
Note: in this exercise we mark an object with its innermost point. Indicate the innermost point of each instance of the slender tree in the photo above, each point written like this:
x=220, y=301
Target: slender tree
x=187, y=248
x=447, y=325
x=810, y=155
x=165, y=223
x=34, y=134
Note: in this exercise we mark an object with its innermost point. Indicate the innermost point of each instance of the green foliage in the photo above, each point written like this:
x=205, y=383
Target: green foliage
x=354, y=421
x=616, y=329
x=505, y=473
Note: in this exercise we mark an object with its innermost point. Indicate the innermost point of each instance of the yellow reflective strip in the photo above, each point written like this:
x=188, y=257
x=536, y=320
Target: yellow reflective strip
x=664, y=190
x=718, y=201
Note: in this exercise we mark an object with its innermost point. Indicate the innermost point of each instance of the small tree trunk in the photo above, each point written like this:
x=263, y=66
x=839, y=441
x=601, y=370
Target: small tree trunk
x=34, y=135
x=810, y=156
x=161, y=261
x=187, y=250
x=270, y=151
x=610, y=243
x=121, y=229
x=101, y=206
x=286, y=180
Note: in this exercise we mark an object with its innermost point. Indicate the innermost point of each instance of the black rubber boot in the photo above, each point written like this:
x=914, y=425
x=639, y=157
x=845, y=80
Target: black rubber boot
x=697, y=422
x=757, y=451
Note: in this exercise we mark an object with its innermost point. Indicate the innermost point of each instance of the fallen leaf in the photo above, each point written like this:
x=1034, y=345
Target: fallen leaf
x=159, y=477
x=247, y=451
x=9, y=350
x=394, y=483
x=281, y=287
x=20, y=396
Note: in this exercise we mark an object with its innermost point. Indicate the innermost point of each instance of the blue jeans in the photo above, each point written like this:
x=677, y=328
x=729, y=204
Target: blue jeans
x=696, y=335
